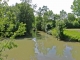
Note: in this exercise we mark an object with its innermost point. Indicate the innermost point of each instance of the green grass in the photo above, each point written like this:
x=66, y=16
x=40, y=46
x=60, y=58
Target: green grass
x=69, y=34
x=54, y=32
x=73, y=34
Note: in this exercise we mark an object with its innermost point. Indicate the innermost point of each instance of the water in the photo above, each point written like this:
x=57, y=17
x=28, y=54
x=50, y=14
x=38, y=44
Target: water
x=44, y=47
x=51, y=53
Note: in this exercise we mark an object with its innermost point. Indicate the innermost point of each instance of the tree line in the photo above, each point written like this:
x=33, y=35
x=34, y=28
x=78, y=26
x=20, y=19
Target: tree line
x=19, y=19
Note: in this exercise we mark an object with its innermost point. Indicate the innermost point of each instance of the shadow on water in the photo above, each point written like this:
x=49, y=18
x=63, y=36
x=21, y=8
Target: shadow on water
x=29, y=37
x=37, y=35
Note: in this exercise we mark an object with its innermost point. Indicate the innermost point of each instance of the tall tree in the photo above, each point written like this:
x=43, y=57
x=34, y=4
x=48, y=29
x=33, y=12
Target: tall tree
x=57, y=16
x=76, y=7
x=26, y=16
x=63, y=14
x=39, y=18
x=71, y=17
x=42, y=17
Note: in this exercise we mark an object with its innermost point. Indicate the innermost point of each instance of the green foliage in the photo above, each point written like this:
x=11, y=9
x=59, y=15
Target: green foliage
x=6, y=44
x=58, y=31
x=26, y=16
x=20, y=31
x=76, y=7
x=56, y=16
x=6, y=25
x=72, y=35
x=71, y=17
x=54, y=32
x=38, y=22
x=42, y=18
x=16, y=20
x=68, y=24
x=9, y=25
x=76, y=24
x=45, y=16
x=63, y=15
x=49, y=26
x=72, y=24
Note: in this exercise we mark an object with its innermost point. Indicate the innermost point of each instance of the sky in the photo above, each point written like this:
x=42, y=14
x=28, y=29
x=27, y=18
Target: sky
x=55, y=5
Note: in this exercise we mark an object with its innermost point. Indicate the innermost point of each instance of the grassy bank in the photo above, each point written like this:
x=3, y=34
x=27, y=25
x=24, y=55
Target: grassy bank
x=72, y=34
x=69, y=34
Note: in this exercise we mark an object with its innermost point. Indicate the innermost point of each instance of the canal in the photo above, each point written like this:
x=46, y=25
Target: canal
x=43, y=47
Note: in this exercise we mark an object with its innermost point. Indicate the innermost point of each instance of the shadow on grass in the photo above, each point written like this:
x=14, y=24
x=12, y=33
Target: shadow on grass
x=68, y=39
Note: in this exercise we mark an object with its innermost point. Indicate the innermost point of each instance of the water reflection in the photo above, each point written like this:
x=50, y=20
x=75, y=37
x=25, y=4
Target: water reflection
x=51, y=54
x=46, y=53
x=34, y=39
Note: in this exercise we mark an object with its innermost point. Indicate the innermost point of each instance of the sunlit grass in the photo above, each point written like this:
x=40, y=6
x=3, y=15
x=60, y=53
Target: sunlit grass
x=73, y=34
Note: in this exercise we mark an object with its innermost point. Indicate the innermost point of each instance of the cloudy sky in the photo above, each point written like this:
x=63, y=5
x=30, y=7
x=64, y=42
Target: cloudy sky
x=55, y=5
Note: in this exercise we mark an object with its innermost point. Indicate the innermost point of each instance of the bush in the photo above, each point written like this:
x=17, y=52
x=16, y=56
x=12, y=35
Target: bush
x=21, y=30
x=49, y=26
x=76, y=24
x=58, y=31
x=72, y=24
x=68, y=24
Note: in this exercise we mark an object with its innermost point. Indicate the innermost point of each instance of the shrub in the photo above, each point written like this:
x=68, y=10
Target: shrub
x=76, y=24
x=21, y=30
x=58, y=31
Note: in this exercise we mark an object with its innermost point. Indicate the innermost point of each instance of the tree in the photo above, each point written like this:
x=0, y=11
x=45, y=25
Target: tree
x=49, y=19
x=39, y=19
x=71, y=17
x=63, y=15
x=76, y=7
x=57, y=16
x=45, y=19
x=26, y=16
x=60, y=29
x=9, y=23
x=70, y=20
x=3, y=28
